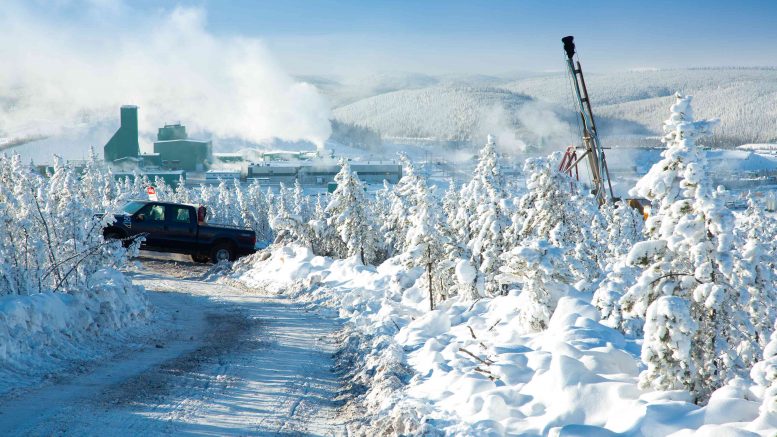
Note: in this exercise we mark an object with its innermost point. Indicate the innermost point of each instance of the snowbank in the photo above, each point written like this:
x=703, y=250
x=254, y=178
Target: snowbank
x=44, y=332
x=467, y=369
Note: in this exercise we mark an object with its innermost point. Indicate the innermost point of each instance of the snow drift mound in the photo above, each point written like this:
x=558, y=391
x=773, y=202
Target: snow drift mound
x=467, y=368
x=44, y=332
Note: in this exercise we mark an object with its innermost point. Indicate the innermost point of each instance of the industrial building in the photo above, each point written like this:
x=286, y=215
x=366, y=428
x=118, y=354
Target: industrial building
x=124, y=143
x=177, y=151
x=173, y=150
x=321, y=173
x=175, y=154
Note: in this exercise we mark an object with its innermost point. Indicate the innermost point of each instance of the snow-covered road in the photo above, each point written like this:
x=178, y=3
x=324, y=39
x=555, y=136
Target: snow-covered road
x=224, y=361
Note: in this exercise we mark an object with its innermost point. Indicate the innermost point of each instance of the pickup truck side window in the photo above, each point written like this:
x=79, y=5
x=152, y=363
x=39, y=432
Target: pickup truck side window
x=153, y=212
x=180, y=214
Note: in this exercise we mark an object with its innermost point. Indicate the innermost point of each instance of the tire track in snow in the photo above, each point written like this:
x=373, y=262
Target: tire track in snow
x=254, y=366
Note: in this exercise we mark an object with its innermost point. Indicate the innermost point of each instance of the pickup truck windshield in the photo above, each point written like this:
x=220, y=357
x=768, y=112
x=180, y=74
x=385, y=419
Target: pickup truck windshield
x=132, y=207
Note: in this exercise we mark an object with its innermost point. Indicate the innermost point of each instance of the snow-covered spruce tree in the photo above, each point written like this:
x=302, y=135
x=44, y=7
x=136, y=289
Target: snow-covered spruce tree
x=252, y=208
x=764, y=374
x=270, y=198
x=542, y=270
x=689, y=221
x=259, y=206
x=379, y=209
x=669, y=333
x=206, y=195
x=225, y=209
x=164, y=192
x=182, y=194
x=754, y=278
x=450, y=203
x=551, y=210
x=452, y=272
x=323, y=237
x=347, y=213
x=482, y=219
x=402, y=199
x=624, y=229
x=97, y=187
x=424, y=240
x=300, y=202
x=284, y=199
x=289, y=226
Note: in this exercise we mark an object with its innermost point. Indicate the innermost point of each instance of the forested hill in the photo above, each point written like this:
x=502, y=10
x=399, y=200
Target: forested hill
x=627, y=103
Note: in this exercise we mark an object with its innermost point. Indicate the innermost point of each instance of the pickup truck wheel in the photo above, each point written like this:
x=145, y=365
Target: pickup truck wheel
x=200, y=258
x=222, y=252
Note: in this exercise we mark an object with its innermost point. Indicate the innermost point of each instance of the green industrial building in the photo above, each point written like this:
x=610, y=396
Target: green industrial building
x=124, y=143
x=173, y=150
x=177, y=151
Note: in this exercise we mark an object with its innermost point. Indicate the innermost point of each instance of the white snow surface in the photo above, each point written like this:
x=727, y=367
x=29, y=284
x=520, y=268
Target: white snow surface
x=210, y=359
x=44, y=333
x=466, y=369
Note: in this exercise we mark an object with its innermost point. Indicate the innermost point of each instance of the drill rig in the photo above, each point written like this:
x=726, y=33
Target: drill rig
x=592, y=150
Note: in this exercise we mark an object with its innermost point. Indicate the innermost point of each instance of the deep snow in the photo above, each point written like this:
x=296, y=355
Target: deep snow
x=463, y=369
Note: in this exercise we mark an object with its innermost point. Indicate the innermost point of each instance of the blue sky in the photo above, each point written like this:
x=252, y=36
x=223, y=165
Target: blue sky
x=494, y=36
x=352, y=36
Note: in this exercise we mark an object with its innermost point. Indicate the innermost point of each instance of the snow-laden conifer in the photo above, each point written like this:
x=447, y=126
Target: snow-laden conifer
x=347, y=213
x=425, y=241
x=401, y=201
x=541, y=269
x=666, y=351
x=482, y=218
x=691, y=230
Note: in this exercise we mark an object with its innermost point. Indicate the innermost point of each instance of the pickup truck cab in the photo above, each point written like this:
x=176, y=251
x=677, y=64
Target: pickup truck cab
x=178, y=228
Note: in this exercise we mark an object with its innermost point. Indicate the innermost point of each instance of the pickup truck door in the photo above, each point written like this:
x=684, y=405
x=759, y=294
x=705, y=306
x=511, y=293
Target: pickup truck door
x=180, y=233
x=150, y=220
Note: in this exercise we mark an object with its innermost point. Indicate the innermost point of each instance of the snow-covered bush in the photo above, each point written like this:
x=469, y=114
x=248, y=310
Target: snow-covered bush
x=541, y=269
x=552, y=209
x=50, y=237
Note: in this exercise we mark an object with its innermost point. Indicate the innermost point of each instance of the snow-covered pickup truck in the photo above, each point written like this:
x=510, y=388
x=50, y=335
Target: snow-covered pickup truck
x=180, y=228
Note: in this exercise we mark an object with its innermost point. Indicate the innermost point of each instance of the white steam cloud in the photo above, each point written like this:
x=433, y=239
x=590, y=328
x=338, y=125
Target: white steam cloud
x=531, y=127
x=60, y=77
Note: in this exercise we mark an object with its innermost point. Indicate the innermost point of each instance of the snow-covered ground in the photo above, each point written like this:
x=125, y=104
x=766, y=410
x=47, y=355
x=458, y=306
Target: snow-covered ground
x=45, y=333
x=465, y=369
x=214, y=359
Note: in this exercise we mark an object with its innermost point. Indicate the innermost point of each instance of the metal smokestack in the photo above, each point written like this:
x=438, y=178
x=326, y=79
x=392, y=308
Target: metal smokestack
x=569, y=45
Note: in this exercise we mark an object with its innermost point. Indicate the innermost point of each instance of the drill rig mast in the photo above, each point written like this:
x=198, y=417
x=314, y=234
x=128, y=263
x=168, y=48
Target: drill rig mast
x=592, y=148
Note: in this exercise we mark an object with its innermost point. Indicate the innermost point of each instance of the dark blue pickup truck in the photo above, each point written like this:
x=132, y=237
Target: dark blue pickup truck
x=180, y=228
